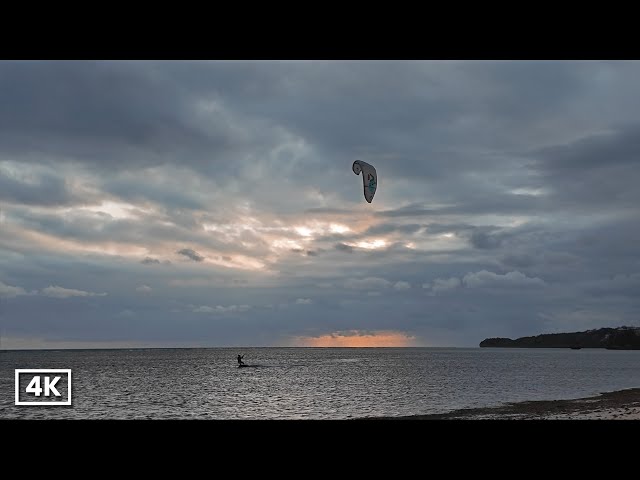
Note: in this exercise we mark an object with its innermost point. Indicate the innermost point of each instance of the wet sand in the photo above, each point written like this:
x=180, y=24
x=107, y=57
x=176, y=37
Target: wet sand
x=619, y=405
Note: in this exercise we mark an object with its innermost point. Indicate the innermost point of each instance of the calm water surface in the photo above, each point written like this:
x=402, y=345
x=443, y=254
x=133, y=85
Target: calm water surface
x=314, y=383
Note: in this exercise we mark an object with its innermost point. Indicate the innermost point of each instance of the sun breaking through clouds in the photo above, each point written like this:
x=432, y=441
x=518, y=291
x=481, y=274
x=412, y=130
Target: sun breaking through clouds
x=358, y=339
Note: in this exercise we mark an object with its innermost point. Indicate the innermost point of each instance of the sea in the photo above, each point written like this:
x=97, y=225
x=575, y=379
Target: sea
x=309, y=383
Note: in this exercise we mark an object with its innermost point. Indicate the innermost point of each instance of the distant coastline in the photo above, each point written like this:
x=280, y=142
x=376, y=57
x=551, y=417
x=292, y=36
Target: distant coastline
x=620, y=338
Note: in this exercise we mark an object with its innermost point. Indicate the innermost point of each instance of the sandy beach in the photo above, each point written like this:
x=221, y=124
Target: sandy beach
x=619, y=405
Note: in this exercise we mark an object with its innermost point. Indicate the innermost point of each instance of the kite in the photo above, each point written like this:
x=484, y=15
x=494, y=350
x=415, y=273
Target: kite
x=369, y=178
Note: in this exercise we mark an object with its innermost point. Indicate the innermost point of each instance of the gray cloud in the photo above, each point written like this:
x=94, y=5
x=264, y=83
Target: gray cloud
x=440, y=285
x=392, y=228
x=621, y=284
x=55, y=291
x=42, y=189
x=343, y=247
x=597, y=170
x=192, y=254
x=92, y=112
x=220, y=309
x=149, y=261
x=10, y=291
x=484, y=240
x=366, y=283
x=485, y=279
x=518, y=260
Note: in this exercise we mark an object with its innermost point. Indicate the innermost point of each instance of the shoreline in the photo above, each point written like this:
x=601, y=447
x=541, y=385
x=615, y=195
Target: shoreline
x=616, y=405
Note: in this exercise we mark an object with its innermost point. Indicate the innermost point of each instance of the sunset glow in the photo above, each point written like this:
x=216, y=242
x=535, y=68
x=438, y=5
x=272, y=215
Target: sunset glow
x=356, y=339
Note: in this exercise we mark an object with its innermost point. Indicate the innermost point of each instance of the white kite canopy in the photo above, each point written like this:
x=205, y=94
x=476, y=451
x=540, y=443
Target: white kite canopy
x=369, y=178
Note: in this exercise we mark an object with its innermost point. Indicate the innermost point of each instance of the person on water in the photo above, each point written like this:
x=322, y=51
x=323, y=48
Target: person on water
x=240, y=357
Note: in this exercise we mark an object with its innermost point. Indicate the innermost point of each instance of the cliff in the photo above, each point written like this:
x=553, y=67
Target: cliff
x=620, y=338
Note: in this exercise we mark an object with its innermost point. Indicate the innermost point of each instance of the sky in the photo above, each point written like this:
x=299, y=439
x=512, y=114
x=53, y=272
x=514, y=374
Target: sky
x=213, y=203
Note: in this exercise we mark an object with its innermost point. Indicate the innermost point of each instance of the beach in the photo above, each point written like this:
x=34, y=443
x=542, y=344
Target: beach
x=618, y=405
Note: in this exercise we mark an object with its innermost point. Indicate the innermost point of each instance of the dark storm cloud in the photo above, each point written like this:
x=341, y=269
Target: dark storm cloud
x=109, y=115
x=595, y=151
x=189, y=253
x=56, y=106
x=407, y=111
x=149, y=261
x=597, y=171
x=610, y=247
x=348, y=111
x=618, y=285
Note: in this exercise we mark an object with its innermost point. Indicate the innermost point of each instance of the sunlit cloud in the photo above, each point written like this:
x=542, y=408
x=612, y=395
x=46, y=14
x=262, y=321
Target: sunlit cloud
x=534, y=192
x=487, y=279
x=117, y=210
x=286, y=244
x=401, y=285
x=338, y=228
x=220, y=309
x=371, y=244
x=304, y=231
x=60, y=292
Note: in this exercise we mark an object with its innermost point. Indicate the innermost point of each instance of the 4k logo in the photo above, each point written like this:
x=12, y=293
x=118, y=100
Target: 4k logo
x=43, y=386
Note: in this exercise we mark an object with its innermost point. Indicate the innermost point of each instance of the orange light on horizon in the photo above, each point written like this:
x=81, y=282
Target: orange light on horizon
x=357, y=339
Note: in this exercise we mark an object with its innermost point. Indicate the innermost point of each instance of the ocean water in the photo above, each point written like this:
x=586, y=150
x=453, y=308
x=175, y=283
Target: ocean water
x=312, y=383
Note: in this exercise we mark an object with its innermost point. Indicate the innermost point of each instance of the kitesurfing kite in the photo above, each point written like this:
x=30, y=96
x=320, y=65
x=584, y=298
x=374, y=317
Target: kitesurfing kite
x=369, y=178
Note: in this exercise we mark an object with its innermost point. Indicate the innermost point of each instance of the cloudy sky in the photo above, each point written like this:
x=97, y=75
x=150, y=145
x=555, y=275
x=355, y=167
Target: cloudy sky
x=213, y=203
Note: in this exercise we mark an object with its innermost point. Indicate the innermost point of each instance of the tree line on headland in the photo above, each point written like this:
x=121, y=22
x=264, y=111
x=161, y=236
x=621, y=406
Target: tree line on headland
x=620, y=338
